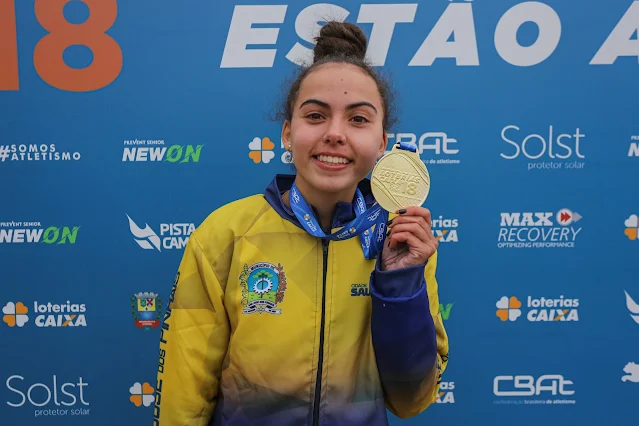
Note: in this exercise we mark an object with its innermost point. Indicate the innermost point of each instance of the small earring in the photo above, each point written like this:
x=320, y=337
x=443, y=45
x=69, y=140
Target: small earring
x=289, y=146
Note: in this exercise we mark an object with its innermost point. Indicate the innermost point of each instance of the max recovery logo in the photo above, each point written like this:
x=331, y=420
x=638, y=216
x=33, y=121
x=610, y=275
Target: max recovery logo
x=510, y=309
x=157, y=150
x=16, y=314
x=539, y=229
x=547, y=389
x=172, y=235
x=252, y=39
x=51, y=398
x=35, y=233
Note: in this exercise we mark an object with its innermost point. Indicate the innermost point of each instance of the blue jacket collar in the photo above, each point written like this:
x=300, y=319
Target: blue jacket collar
x=344, y=212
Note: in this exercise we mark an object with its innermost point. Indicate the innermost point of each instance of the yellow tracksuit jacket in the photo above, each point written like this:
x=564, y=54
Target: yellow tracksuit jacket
x=269, y=325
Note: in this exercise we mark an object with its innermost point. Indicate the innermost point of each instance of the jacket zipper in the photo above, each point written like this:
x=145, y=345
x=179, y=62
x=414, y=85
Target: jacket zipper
x=318, y=380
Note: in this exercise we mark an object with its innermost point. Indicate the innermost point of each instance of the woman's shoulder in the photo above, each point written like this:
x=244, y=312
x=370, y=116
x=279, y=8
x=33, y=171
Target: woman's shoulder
x=233, y=215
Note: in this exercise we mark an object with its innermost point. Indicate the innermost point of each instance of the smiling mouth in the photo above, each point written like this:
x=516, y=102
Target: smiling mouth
x=327, y=159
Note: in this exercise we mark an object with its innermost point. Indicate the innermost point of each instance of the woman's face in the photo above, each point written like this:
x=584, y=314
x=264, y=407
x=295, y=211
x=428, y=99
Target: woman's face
x=336, y=131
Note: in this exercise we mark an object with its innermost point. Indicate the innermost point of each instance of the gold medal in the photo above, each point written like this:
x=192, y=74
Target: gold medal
x=400, y=179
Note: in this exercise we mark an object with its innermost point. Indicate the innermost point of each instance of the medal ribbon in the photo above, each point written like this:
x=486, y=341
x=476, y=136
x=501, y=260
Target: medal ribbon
x=362, y=225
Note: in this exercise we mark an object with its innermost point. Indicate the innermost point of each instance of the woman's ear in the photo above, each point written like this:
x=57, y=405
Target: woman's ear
x=383, y=145
x=286, y=135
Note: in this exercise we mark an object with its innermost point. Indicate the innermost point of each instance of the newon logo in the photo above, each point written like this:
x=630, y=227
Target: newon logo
x=551, y=150
x=157, y=150
x=547, y=389
x=510, y=309
x=544, y=229
x=171, y=236
x=253, y=39
x=53, y=396
x=36, y=233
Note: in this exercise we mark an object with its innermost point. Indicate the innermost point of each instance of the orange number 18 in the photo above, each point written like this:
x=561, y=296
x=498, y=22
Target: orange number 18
x=47, y=56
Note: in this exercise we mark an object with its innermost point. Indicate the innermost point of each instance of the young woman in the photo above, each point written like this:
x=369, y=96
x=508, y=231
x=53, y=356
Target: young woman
x=270, y=324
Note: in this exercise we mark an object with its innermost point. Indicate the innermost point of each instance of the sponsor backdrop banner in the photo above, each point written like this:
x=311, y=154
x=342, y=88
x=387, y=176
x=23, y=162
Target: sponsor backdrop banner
x=125, y=123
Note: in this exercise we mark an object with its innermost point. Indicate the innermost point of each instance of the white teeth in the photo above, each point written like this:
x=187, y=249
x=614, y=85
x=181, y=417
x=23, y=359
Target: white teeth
x=332, y=160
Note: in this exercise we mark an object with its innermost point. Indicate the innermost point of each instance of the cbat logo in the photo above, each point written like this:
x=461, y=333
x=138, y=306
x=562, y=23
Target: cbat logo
x=537, y=390
x=156, y=150
x=142, y=394
x=36, y=152
x=544, y=152
x=538, y=310
x=263, y=286
x=539, y=229
x=632, y=373
x=633, y=150
x=46, y=314
x=429, y=145
x=63, y=398
x=632, y=227
x=15, y=314
x=172, y=235
x=261, y=151
x=445, y=310
x=146, y=309
x=445, y=394
x=254, y=41
x=633, y=307
x=445, y=230
x=34, y=233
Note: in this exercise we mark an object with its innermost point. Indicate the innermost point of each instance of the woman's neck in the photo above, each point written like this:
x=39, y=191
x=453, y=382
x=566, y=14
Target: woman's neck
x=323, y=202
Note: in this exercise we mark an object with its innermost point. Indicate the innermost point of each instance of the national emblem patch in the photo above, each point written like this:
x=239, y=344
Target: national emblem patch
x=263, y=286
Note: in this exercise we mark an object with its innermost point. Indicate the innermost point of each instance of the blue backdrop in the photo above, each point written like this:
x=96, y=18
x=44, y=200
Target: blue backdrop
x=125, y=123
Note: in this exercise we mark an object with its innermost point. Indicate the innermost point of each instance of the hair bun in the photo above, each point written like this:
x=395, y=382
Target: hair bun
x=340, y=39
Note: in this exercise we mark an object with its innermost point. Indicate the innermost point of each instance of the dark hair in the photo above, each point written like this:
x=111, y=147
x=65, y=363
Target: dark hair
x=341, y=42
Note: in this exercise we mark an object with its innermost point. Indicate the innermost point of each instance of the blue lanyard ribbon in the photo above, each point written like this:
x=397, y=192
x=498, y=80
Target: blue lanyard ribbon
x=369, y=224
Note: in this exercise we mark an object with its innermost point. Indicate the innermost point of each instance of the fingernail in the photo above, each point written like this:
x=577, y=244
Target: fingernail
x=388, y=233
x=402, y=211
x=389, y=222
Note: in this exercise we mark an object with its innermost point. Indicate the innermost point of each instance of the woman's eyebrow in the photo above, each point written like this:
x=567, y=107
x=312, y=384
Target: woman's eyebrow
x=348, y=107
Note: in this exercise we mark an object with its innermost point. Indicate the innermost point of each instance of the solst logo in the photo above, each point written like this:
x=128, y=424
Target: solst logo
x=252, y=39
x=45, y=314
x=545, y=229
x=151, y=150
x=445, y=229
x=35, y=232
x=445, y=394
x=542, y=309
x=55, y=397
x=433, y=147
x=552, y=150
x=172, y=235
x=547, y=389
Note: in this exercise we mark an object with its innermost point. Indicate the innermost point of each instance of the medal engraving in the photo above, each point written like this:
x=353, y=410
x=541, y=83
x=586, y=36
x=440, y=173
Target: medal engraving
x=400, y=180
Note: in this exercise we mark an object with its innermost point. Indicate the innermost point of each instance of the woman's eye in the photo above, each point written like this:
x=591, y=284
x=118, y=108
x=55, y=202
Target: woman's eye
x=314, y=116
x=360, y=119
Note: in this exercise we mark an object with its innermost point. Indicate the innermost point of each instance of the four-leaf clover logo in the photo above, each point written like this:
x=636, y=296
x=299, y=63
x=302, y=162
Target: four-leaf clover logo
x=508, y=308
